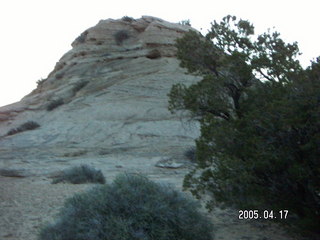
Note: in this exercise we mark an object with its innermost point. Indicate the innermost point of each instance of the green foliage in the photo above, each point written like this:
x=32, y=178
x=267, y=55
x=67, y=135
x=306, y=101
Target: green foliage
x=30, y=125
x=203, y=57
x=190, y=154
x=127, y=19
x=54, y=104
x=81, y=174
x=132, y=207
x=259, y=112
x=120, y=36
x=79, y=85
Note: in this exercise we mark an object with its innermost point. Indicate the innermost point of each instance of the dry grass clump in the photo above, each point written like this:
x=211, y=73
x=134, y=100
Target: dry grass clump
x=80, y=174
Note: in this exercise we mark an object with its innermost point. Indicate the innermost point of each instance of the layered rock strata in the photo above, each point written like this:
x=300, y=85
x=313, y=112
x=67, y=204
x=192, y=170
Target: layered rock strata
x=107, y=94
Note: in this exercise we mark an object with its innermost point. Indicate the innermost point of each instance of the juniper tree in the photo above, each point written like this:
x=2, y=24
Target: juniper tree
x=259, y=112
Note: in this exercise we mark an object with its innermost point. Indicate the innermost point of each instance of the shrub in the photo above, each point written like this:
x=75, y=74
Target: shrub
x=190, y=154
x=41, y=81
x=81, y=174
x=120, y=36
x=54, y=104
x=79, y=86
x=185, y=22
x=75, y=154
x=127, y=19
x=59, y=75
x=82, y=37
x=30, y=125
x=153, y=54
x=132, y=207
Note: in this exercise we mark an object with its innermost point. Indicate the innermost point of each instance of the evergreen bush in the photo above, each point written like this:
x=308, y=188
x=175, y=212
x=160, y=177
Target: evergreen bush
x=127, y=19
x=82, y=37
x=54, y=104
x=259, y=111
x=120, y=36
x=190, y=154
x=79, y=85
x=132, y=207
x=30, y=125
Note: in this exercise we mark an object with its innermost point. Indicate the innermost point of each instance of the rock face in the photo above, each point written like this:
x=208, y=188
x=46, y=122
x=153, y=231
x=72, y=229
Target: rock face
x=112, y=87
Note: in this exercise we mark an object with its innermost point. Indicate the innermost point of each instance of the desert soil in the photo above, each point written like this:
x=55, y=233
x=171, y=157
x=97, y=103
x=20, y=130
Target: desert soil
x=26, y=203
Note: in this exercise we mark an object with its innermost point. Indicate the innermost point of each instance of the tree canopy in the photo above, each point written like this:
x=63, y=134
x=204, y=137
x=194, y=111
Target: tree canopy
x=259, y=111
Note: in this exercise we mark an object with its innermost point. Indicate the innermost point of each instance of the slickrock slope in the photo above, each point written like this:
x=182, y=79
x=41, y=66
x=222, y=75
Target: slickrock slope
x=113, y=84
x=123, y=100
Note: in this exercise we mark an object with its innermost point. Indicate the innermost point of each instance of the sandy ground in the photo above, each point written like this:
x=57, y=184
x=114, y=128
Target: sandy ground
x=26, y=203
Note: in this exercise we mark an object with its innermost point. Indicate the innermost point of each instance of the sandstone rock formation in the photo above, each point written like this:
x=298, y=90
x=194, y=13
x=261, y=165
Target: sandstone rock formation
x=114, y=95
x=104, y=104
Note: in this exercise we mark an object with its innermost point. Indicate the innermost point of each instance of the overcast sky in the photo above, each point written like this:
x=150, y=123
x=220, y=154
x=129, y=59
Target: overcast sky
x=36, y=33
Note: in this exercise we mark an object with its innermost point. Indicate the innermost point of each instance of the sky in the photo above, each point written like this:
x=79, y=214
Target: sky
x=36, y=33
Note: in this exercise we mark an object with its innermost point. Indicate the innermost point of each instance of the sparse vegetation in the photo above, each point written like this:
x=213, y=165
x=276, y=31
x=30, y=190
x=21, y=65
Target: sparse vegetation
x=40, y=81
x=59, y=75
x=120, y=36
x=79, y=85
x=104, y=152
x=127, y=19
x=185, y=22
x=153, y=54
x=190, y=154
x=15, y=173
x=54, y=104
x=75, y=154
x=80, y=174
x=132, y=207
x=82, y=37
x=30, y=125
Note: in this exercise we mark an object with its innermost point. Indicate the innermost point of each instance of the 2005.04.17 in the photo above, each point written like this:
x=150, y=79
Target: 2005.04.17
x=266, y=214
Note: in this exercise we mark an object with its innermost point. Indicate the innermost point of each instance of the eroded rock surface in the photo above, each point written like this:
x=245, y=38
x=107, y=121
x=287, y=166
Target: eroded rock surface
x=114, y=95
